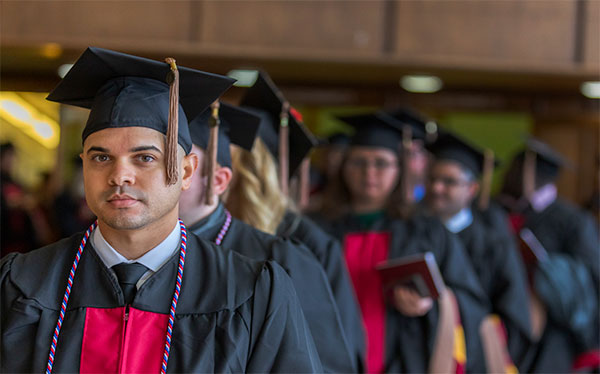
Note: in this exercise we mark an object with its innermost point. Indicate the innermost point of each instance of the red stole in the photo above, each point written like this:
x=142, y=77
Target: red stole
x=363, y=251
x=113, y=343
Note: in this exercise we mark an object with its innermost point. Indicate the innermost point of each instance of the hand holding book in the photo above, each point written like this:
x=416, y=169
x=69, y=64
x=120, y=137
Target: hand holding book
x=418, y=272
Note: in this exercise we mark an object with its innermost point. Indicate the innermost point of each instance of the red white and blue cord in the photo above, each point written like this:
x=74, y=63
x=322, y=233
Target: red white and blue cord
x=163, y=368
x=65, y=300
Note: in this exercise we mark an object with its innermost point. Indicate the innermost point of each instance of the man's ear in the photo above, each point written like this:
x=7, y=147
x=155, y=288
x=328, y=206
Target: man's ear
x=189, y=165
x=474, y=189
x=222, y=179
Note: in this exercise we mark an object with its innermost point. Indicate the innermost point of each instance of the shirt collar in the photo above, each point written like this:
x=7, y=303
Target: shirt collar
x=543, y=197
x=154, y=259
x=460, y=221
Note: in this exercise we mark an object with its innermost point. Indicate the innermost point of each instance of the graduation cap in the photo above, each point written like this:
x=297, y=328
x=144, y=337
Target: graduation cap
x=237, y=126
x=480, y=162
x=548, y=161
x=282, y=131
x=449, y=146
x=215, y=129
x=380, y=129
x=540, y=161
x=339, y=139
x=122, y=90
x=416, y=120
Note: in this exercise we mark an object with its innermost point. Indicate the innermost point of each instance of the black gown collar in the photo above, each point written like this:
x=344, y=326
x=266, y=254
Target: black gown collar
x=209, y=226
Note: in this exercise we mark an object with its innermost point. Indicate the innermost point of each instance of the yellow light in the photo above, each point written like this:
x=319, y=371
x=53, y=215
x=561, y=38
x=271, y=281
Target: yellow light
x=35, y=124
x=16, y=110
x=51, y=50
x=44, y=129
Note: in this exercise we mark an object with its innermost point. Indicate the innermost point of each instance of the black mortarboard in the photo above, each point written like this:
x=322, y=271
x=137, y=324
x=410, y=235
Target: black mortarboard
x=124, y=90
x=238, y=126
x=266, y=101
x=424, y=127
x=379, y=129
x=547, y=161
x=409, y=117
x=339, y=139
x=449, y=146
x=301, y=140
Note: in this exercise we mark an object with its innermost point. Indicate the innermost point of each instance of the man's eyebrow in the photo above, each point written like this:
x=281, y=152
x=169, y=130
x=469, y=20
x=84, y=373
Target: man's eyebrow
x=97, y=149
x=145, y=148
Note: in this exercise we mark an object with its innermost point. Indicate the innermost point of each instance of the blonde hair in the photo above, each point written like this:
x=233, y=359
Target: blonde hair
x=254, y=195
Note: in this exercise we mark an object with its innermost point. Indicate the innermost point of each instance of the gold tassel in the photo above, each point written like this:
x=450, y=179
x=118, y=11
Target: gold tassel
x=211, y=151
x=284, y=147
x=486, y=180
x=529, y=173
x=173, y=123
x=304, y=184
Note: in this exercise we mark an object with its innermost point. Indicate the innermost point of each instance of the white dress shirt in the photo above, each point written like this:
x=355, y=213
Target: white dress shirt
x=154, y=259
x=460, y=221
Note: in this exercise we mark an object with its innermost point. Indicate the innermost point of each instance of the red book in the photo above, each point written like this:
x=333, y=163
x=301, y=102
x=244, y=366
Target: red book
x=419, y=271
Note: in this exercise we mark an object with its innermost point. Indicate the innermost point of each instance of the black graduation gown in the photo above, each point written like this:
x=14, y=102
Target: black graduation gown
x=564, y=228
x=502, y=275
x=409, y=340
x=234, y=315
x=497, y=220
x=328, y=251
x=307, y=276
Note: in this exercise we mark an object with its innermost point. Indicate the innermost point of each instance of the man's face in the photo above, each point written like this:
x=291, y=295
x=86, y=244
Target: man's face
x=125, y=178
x=371, y=174
x=449, y=189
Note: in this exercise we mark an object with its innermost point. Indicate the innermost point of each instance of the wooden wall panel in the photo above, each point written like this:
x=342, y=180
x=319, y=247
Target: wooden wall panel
x=95, y=21
x=589, y=160
x=591, y=43
x=511, y=33
x=565, y=138
x=353, y=27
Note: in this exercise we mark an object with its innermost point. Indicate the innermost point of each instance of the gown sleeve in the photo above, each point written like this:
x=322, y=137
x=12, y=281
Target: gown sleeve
x=281, y=339
x=328, y=251
x=24, y=347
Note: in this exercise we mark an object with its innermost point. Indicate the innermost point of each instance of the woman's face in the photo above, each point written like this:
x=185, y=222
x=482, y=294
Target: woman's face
x=370, y=173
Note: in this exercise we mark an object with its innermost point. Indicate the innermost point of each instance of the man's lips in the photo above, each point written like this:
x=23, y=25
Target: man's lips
x=122, y=201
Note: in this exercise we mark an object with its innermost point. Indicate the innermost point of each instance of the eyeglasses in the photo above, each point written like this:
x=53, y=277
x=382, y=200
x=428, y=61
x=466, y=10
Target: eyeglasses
x=379, y=164
x=447, y=181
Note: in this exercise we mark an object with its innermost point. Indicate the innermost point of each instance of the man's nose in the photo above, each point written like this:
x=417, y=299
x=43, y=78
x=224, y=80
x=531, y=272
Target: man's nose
x=121, y=173
x=437, y=186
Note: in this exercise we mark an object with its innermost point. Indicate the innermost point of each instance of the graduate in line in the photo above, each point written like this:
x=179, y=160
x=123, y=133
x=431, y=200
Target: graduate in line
x=257, y=198
x=207, y=217
x=137, y=292
x=367, y=214
x=565, y=277
x=452, y=188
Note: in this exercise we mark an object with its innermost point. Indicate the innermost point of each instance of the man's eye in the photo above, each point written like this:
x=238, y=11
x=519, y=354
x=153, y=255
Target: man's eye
x=100, y=158
x=146, y=158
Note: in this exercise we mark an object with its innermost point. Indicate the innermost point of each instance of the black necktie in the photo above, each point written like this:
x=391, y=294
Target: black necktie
x=128, y=275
